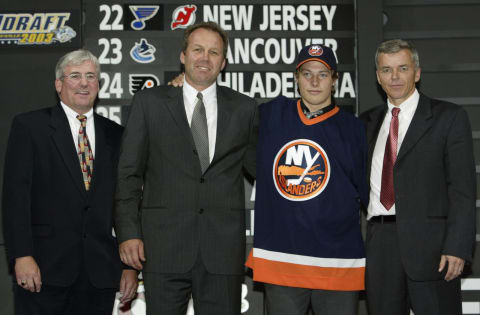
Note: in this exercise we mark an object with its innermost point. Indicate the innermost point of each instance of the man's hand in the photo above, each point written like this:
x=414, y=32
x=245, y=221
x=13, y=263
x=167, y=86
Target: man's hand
x=177, y=81
x=128, y=285
x=455, y=266
x=131, y=252
x=27, y=273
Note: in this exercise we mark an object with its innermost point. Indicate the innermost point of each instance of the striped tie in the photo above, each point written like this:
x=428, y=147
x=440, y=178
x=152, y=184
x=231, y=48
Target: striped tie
x=387, y=192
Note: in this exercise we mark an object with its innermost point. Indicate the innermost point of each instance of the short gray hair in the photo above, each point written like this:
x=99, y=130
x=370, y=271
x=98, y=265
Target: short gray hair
x=394, y=46
x=76, y=58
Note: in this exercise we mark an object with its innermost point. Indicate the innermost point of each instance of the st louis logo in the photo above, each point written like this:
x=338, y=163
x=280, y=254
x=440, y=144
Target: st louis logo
x=183, y=16
x=142, y=13
x=143, y=52
x=301, y=170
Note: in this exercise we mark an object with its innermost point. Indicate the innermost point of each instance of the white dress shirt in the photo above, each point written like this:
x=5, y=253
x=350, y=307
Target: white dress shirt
x=210, y=101
x=75, y=126
x=407, y=110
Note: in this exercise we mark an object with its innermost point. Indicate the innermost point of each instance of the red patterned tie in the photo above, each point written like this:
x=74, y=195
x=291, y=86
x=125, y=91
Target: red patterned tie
x=387, y=193
x=85, y=155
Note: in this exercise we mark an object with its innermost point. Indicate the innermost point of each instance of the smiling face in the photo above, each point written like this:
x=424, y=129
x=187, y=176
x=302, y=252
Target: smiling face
x=397, y=75
x=78, y=95
x=315, y=83
x=203, y=58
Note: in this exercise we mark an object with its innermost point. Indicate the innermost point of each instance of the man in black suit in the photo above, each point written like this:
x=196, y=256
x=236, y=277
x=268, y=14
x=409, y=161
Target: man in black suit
x=421, y=215
x=59, y=181
x=180, y=194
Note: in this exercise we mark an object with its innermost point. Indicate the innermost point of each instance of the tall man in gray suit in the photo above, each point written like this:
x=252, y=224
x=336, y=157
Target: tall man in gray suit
x=180, y=196
x=421, y=215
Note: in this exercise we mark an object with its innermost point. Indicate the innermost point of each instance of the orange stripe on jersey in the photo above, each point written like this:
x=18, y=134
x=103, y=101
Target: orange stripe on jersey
x=302, y=276
x=249, y=262
x=315, y=120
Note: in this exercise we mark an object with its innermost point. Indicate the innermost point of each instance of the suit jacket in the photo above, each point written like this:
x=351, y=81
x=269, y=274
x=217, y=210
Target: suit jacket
x=180, y=211
x=48, y=214
x=435, y=185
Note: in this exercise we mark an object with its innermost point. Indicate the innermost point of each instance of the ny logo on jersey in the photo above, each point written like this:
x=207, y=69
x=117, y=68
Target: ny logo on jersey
x=183, y=16
x=301, y=170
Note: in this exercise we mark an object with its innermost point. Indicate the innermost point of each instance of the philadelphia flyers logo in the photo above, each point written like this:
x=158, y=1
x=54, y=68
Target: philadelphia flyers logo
x=315, y=50
x=301, y=170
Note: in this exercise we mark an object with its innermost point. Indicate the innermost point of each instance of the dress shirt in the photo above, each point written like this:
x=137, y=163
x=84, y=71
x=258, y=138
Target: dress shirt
x=75, y=126
x=407, y=110
x=210, y=101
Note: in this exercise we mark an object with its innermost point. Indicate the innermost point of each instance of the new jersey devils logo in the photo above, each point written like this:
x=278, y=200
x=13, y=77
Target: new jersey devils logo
x=301, y=170
x=183, y=16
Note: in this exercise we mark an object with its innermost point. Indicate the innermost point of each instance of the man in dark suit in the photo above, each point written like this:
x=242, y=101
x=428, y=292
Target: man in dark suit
x=421, y=215
x=180, y=194
x=59, y=181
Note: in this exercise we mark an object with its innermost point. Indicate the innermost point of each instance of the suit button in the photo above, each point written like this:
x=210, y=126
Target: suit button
x=87, y=208
x=200, y=210
x=195, y=152
x=84, y=235
x=202, y=180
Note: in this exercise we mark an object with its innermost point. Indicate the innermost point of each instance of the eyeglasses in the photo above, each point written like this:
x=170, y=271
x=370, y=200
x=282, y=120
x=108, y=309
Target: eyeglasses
x=77, y=77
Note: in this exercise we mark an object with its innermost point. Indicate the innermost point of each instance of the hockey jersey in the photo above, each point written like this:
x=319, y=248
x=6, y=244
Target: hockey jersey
x=311, y=179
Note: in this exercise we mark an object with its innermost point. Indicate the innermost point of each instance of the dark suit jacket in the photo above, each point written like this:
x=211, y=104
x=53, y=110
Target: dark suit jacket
x=48, y=214
x=435, y=185
x=180, y=210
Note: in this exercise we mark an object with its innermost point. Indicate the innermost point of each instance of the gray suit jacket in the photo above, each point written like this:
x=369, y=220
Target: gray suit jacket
x=435, y=185
x=181, y=211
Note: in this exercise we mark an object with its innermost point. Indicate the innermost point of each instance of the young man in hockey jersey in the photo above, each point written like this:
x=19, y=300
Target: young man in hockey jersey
x=311, y=162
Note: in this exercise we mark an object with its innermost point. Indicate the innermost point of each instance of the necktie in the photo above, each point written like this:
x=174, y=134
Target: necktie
x=200, y=132
x=85, y=155
x=387, y=193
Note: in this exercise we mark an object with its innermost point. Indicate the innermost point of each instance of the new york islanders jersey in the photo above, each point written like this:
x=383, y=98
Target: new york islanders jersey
x=311, y=178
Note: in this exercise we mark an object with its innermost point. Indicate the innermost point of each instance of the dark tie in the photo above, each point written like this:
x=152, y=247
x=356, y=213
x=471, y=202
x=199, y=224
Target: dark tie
x=85, y=155
x=387, y=193
x=200, y=132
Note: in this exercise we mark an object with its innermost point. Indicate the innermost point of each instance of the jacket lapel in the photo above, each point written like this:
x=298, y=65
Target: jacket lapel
x=177, y=109
x=223, y=120
x=103, y=155
x=62, y=137
x=420, y=123
x=374, y=123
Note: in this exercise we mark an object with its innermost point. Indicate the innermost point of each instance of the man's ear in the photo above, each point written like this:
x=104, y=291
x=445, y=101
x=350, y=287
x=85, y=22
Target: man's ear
x=418, y=72
x=182, y=58
x=58, y=85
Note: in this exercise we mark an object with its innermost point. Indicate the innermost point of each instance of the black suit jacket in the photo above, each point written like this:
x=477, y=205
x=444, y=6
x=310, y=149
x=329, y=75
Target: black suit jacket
x=435, y=185
x=181, y=211
x=48, y=214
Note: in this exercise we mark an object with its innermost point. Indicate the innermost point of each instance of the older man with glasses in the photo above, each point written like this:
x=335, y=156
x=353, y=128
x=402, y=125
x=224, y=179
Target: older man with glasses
x=57, y=200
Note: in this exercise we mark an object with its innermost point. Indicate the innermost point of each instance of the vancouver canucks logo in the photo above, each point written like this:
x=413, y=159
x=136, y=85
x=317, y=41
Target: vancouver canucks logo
x=301, y=170
x=143, y=52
